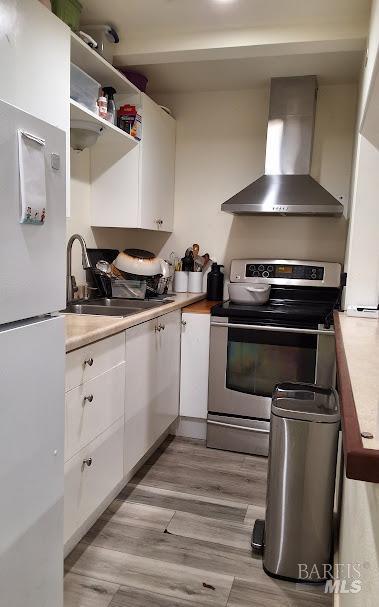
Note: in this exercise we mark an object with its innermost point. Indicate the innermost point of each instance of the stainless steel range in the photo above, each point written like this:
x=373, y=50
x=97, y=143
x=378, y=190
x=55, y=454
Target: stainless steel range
x=254, y=347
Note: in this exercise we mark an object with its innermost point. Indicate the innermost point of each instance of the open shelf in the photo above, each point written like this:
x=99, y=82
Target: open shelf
x=111, y=134
x=96, y=66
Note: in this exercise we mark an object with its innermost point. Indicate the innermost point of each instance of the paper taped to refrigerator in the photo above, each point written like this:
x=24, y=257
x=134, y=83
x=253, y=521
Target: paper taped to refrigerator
x=31, y=154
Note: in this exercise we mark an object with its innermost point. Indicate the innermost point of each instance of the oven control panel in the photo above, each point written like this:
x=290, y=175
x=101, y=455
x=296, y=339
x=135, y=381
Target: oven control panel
x=286, y=271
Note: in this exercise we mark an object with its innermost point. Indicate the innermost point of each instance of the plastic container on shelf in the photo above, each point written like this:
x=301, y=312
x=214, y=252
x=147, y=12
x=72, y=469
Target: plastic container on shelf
x=83, y=88
x=68, y=11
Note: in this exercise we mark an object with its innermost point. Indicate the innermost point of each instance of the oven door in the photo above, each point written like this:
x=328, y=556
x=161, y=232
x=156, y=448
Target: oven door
x=248, y=360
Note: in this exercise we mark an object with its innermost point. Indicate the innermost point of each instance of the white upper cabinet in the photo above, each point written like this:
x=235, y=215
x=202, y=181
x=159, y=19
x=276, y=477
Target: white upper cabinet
x=136, y=190
x=157, y=167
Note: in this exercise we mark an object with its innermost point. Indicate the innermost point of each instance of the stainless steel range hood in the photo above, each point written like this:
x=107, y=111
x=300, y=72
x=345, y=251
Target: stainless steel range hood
x=287, y=187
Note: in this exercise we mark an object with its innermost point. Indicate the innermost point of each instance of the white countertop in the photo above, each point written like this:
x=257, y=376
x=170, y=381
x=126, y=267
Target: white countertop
x=361, y=344
x=83, y=329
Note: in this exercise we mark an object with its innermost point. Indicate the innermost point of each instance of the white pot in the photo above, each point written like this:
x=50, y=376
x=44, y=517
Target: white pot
x=253, y=293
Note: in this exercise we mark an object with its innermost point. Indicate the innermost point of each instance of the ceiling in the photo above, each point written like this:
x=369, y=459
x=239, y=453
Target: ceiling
x=230, y=74
x=187, y=45
x=137, y=16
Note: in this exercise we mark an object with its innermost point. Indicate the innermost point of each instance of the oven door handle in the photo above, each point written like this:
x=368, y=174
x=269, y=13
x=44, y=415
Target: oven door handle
x=271, y=328
x=235, y=427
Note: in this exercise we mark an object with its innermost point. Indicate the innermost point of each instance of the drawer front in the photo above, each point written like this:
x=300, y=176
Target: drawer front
x=92, y=360
x=92, y=407
x=87, y=486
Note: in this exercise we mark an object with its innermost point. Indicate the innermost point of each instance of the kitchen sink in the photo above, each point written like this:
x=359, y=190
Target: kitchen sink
x=114, y=307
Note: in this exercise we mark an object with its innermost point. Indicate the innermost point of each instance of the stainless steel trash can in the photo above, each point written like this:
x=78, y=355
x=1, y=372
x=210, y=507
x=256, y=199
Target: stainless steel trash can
x=305, y=421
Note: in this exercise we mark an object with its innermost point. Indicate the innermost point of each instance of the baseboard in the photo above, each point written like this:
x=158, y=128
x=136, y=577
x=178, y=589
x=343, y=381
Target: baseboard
x=192, y=427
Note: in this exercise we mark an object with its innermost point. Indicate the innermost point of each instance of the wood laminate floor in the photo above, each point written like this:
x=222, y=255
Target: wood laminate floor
x=178, y=535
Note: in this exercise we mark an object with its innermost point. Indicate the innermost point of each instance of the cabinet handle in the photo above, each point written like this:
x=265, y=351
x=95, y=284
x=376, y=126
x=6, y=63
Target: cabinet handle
x=184, y=323
x=87, y=462
x=88, y=398
x=157, y=328
x=159, y=222
x=88, y=362
x=163, y=327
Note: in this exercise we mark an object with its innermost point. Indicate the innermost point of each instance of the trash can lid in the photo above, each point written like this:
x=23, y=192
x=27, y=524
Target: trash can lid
x=306, y=402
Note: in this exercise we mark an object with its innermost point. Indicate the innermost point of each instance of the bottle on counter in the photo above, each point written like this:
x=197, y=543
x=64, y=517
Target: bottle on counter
x=215, y=283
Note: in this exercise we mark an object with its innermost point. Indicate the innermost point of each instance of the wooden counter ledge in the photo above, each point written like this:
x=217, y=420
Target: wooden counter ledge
x=361, y=461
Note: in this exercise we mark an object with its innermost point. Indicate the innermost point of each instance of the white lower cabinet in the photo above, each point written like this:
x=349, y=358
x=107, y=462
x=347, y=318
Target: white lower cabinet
x=152, y=383
x=194, y=365
x=92, y=407
x=91, y=475
x=116, y=408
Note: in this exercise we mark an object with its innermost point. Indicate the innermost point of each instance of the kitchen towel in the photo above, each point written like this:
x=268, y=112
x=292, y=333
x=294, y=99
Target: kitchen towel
x=31, y=158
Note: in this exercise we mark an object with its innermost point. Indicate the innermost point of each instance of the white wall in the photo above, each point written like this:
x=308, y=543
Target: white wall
x=220, y=149
x=362, y=254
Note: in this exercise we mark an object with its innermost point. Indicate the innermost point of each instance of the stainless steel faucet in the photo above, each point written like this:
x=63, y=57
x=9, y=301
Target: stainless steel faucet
x=71, y=287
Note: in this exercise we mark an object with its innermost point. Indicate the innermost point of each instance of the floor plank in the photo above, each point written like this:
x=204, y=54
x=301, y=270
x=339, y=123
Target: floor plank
x=140, y=515
x=184, y=502
x=254, y=512
x=207, y=482
x=272, y=593
x=175, y=549
x=132, y=597
x=201, y=587
x=81, y=591
x=226, y=533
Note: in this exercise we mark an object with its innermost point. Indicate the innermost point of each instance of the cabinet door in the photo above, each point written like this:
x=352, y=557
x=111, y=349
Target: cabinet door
x=152, y=384
x=194, y=365
x=86, y=487
x=141, y=391
x=157, y=176
x=168, y=369
x=115, y=187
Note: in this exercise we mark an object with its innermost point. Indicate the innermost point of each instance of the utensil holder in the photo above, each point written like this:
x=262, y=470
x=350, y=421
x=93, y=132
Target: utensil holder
x=181, y=282
x=195, y=282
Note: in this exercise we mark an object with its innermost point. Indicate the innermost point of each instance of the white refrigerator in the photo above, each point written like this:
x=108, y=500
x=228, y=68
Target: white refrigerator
x=32, y=358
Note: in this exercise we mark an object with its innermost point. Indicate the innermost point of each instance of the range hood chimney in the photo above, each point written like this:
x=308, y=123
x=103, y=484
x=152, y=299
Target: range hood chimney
x=287, y=188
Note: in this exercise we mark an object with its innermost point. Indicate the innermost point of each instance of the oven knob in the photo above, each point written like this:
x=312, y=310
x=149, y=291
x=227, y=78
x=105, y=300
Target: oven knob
x=261, y=268
x=265, y=274
x=252, y=268
x=255, y=273
x=270, y=268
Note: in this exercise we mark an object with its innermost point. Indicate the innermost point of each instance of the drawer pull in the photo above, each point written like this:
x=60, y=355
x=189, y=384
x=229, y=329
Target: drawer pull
x=87, y=462
x=88, y=398
x=163, y=327
x=157, y=328
x=88, y=362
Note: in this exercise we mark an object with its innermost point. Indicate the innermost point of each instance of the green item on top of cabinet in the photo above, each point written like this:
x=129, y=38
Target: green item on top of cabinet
x=68, y=11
